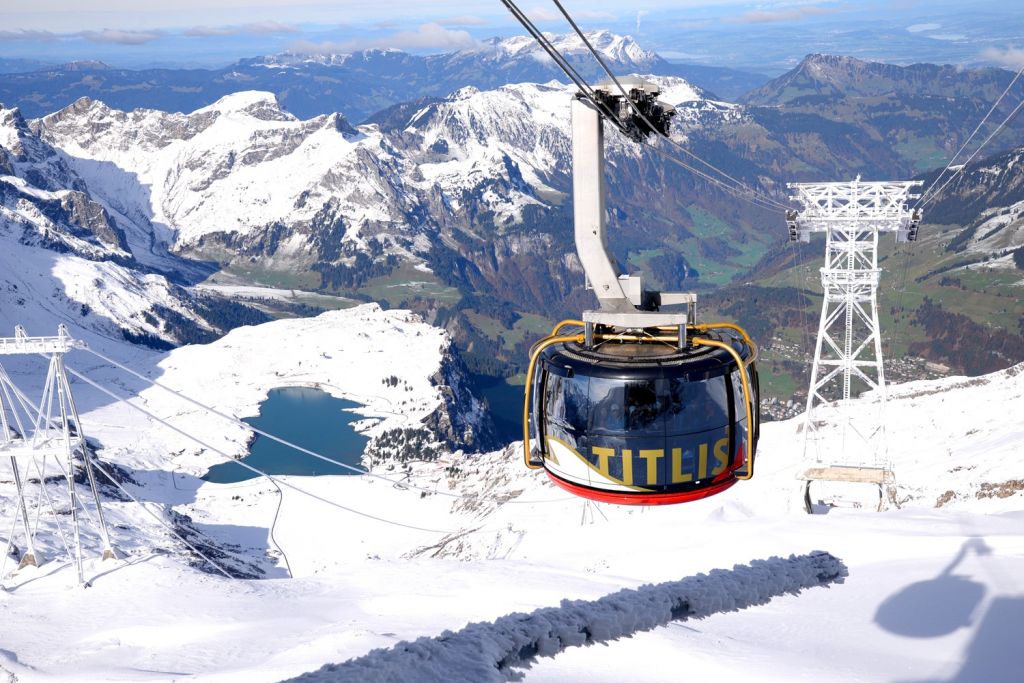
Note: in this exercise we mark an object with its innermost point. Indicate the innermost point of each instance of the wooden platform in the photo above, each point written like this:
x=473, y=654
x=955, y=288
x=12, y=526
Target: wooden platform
x=857, y=475
x=881, y=477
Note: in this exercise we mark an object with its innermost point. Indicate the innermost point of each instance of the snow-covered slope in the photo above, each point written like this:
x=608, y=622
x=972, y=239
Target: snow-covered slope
x=932, y=594
x=987, y=198
x=349, y=353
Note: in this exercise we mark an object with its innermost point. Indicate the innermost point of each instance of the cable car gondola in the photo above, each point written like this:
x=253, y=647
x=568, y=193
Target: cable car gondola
x=637, y=404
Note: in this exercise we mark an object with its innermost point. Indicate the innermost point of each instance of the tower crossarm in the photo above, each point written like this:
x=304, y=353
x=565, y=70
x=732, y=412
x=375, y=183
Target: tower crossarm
x=877, y=206
x=21, y=343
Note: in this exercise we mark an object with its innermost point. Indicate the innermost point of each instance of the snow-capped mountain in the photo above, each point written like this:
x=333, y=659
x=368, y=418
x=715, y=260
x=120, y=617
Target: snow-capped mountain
x=511, y=54
x=622, y=53
x=987, y=198
x=355, y=83
x=243, y=180
x=241, y=167
x=65, y=256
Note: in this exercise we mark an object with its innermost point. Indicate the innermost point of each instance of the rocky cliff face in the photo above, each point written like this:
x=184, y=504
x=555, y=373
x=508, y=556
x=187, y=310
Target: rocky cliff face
x=898, y=120
x=460, y=422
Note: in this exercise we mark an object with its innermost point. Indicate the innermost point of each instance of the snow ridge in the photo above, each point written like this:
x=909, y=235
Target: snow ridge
x=490, y=651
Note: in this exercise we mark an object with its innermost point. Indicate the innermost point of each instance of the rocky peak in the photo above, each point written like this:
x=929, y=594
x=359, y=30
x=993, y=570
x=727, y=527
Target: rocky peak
x=85, y=65
x=836, y=76
x=29, y=157
x=13, y=129
x=253, y=103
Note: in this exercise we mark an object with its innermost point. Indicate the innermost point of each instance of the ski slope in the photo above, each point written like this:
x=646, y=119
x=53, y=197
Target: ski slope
x=932, y=593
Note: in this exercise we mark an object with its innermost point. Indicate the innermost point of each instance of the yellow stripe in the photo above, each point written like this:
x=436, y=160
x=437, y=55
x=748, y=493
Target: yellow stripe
x=591, y=465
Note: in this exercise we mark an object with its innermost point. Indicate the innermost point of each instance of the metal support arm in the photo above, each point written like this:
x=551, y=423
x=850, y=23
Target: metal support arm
x=589, y=212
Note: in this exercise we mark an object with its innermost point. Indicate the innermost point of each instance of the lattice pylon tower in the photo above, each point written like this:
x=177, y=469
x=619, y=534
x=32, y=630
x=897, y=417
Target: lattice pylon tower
x=848, y=349
x=34, y=435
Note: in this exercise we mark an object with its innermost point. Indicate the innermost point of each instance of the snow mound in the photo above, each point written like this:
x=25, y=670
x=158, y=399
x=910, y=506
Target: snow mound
x=488, y=651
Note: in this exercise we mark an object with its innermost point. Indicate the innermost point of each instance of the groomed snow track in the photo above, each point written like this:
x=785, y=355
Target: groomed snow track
x=490, y=652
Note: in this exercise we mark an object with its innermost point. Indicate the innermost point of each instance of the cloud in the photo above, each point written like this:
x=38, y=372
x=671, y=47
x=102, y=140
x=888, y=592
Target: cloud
x=589, y=14
x=261, y=27
x=33, y=36
x=787, y=14
x=1010, y=56
x=427, y=37
x=464, y=20
x=543, y=14
x=546, y=14
x=120, y=37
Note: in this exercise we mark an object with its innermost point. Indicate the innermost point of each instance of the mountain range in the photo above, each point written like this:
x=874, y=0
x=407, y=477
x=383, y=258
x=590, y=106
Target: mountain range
x=459, y=206
x=356, y=84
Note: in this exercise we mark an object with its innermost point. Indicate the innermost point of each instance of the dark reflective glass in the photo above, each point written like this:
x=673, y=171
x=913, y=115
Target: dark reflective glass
x=645, y=407
x=566, y=402
x=607, y=405
x=696, y=406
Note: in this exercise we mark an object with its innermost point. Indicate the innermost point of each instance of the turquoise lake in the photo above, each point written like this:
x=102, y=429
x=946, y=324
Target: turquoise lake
x=310, y=418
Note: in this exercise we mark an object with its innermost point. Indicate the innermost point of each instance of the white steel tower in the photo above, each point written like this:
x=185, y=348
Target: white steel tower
x=848, y=350
x=31, y=435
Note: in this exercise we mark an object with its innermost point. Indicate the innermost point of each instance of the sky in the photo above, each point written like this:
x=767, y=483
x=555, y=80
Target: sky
x=217, y=32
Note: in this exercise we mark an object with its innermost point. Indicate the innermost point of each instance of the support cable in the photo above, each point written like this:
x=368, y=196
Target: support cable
x=53, y=508
x=999, y=128
x=230, y=458
x=644, y=118
x=588, y=94
x=550, y=49
x=160, y=520
x=49, y=421
x=924, y=194
x=756, y=201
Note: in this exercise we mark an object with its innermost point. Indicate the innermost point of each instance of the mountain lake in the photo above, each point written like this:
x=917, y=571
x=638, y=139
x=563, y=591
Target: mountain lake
x=310, y=418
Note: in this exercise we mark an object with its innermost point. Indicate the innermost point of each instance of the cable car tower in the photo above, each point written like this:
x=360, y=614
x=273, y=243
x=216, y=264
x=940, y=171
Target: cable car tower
x=30, y=435
x=848, y=350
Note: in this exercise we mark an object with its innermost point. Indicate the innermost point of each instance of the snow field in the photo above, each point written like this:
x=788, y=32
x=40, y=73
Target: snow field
x=930, y=594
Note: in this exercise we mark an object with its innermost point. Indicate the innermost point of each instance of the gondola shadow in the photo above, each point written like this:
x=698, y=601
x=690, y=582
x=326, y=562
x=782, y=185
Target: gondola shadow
x=949, y=602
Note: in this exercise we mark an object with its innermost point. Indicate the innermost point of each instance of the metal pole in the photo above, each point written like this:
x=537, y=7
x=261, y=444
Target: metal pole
x=31, y=558
x=108, y=549
x=72, y=491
